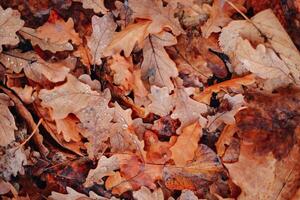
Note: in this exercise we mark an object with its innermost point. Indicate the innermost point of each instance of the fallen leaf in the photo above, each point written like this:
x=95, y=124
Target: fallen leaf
x=187, y=195
x=127, y=38
x=202, y=171
x=183, y=151
x=35, y=67
x=96, y=5
x=105, y=167
x=7, y=121
x=161, y=17
x=157, y=66
x=219, y=16
x=10, y=23
x=161, y=101
x=187, y=110
x=145, y=194
x=103, y=29
x=68, y=128
x=26, y=94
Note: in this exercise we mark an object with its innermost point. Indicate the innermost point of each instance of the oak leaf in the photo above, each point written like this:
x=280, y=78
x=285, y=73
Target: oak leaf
x=187, y=110
x=117, y=184
x=35, y=68
x=187, y=195
x=127, y=39
x=200, y=172
x=122, y=72
x=105, y=167
x=157, y=66
x=220, y=13
x=43, y=43
x=161, y=101
x=103, y=29
x=145, y=194
x=68, y=128
x=46, y=36
x=183, y=151
x=10, y=23
x=275, y=59
x=96, y=5
x=26, y=94
x=161, y=17
x=7, y=121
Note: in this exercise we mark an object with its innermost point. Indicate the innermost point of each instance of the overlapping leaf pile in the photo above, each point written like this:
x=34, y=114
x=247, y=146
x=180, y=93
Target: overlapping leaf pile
x=147, y=99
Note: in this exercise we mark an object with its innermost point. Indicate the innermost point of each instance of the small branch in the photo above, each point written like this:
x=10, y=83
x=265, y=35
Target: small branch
x=22, y=110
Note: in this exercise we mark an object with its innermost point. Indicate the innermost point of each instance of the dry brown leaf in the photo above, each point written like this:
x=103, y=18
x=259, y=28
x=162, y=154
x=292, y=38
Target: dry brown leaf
x=157, y=66
x=7, y=121
x=235, y=84
x=202, y=171
x=96, y=5
x=26, y=94
x=105, y=167
x=12, y=161
x=46, y=36
x=275, y=59
x=74, y=195
x=161, y=17
x=183, y=151
x=220, y=13
x=117, y=184
x=139, y=89
x=236, y=103
x=187, y=110
x=103, y=29
x=68, y=128
x=83, y=53
x=161, y=101
x=90, y=107
x=35, y=67
x=127, y=38
x=44, y=43
x=187, y=195
x=122, y=72
x=145, y=194
x=10, y=23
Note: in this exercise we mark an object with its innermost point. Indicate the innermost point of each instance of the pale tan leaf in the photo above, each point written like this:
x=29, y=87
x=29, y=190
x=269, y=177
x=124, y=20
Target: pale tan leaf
x=96, y=5
x=103, y=29
x=71, y=97
x=122, y=72
x=12, y=162
x=10, y=23
x=43, y=43
x=74, y=195
x=122, y=117
x=161, y=17
x=186, y=144
x=127, y=38
x=157, y=66
x=145, y=194
x=236, y=103
x=105, y=167
x=187, y=195
x=35, y=67
x=7, y=121
x=161, y=101
x=187, y=110
x=26, y=94
x=68, y=128
x=275, y=59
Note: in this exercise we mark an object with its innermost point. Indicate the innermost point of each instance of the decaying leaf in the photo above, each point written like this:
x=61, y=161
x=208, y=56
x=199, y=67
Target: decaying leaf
x=161, y=101
x=183, y=151
x=103, y=29
x=276, y=59
x=161, y=17
x=105, y=167
x=187, y=110
x=127, y=38
x=157, y=65
x=35, y=67
x=7, y=121
x=10, y=23
x=96, y=5
x=145, y=194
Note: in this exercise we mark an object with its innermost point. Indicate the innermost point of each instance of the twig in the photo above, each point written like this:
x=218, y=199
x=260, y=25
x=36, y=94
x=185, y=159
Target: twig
x=22, y=110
